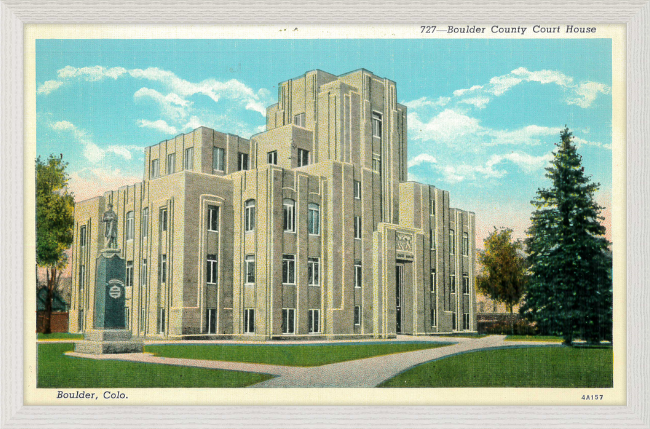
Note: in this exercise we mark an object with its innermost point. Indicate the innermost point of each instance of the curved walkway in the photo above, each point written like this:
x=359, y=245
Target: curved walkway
x=368, y=372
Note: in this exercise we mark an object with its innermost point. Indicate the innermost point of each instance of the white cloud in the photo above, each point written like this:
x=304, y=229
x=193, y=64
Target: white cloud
x=420, y=159
x=63, y=125
x=91, y=151
x=460, y=92
x=579, y=142
x=94, y=73
x=48, y=86
x=448, y=125
x=479, y=102
x=585, y=94
x=159, y=125
x=500, y=84
x=171, y=105
x=426, y=102
x=92, y=182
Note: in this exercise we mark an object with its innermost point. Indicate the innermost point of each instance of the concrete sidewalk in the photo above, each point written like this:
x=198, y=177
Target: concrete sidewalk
x=368, y=372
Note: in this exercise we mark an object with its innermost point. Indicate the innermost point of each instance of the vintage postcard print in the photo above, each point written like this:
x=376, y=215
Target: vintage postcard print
x=417, y=214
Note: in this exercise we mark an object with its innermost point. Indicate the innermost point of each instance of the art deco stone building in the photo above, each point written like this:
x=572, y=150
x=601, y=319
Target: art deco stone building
x=309, y=228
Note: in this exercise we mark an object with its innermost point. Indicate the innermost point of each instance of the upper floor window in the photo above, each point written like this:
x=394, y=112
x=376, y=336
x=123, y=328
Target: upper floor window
x=211, y=274
x=130, y=226
x=249, y=216
x=466, y=285
x=213, y=218
x=357, y=227
x=163, y=219
x=299, y=120
x=82, y=236
x=217, y=159
x=249, y=269
x=162, y=268
x=189, y=158
x=313, y=271
x=171, y=163
x=289, y=215
x=433, y=281
x=376, y=163
x=465, y=244
x=358, y=274
x=376, y=124
x=155, y=169
x=289, y=269
x=432, y=237
x=357, y=315
x=452, y=283
x=432, y=207
x=452, y=242
x=242, y=161
x=143, y=273
x=357, y=190
x=82, y=276
x=272, y=157
x=313, y=219
x=303, y=157
x=145, y=222
x=129, y=274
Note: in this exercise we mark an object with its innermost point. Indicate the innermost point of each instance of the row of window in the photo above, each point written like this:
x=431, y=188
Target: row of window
x=188, y=162
x=289, y=210
x=288, y=270
x=452, y=241
x=452, y=283
x=289, y=320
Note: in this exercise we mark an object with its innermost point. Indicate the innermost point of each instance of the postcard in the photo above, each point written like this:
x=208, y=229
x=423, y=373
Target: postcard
x=309, y=215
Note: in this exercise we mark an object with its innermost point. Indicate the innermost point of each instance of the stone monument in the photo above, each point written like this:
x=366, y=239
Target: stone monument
x=110, y=333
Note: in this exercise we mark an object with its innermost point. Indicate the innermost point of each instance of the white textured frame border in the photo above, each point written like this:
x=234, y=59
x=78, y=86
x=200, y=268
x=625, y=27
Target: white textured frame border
x=15, y=13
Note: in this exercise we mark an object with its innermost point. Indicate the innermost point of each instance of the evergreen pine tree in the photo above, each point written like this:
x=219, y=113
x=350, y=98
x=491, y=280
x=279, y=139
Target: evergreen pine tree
x=569, y=291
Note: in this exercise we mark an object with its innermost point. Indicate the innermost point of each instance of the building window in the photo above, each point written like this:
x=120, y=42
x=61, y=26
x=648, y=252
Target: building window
x=357, y=274
x=82, y=236
x=433, y=314
x=242, y=161
x=143, y=273
x=189, y=158
x=155, y=169
x=376, y=163
x=289, y=215
x=432, y=238
x=127, y=317
x=357, y=315
x=453, y=321
x=272, y=157
x=143, y=320
x=249, y=321
x=433, y=281
x=213, y=218
x=211, y=274
x=162, y=268
x=130, y=225
x=81, y=320
x=376, y=124
x=313, y=271
x=452, y=242
x=145, y=222
x=211, y=322
x=288, y=320
x=452, y=283
x=357, y=189
x=303, y=157
x=465, y=285
x=171, y=163
x=217, y=159
x=129, y=273
x=163, y=219
x=465, y=244
x=161, y=320
x=249, y=216
x=313, y=320
x=82, y=276
x=299, y=120
x=432, y=207
x=357, y=227
x=313, y=219
x=249, y=269
x=289, y=269
x=466, y=321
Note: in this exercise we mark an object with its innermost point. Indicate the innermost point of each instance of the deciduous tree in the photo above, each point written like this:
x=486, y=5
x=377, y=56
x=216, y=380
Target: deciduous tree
x=54, y=224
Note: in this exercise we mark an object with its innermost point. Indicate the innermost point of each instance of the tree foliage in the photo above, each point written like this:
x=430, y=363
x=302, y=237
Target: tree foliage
x=570, y=287
x=503, y=268
x=54, y=223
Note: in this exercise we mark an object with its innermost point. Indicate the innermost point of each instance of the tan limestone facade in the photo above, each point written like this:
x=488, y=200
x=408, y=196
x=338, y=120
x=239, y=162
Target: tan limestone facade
x=309, y=229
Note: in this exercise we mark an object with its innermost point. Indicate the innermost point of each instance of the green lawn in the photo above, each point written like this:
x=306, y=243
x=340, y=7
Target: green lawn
x=293, y=355
x=549, y=338
x=60, y=336
x=522, y=367
x=55, y=370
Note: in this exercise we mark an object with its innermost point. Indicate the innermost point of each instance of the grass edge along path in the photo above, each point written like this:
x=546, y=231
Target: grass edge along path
x=514, y=367
x=546, y=338
x=56, y=370
x=59, y=336
x=303, y=355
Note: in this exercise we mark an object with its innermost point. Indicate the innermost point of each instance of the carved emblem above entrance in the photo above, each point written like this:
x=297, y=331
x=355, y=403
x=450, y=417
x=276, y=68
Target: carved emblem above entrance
x=403, y=242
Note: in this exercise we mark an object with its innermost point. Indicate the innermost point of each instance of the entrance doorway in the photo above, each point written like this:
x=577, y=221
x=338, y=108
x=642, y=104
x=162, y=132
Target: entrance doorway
x=399, y=280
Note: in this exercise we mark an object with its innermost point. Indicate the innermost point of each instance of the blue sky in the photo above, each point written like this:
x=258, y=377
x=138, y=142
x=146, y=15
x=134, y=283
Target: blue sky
x=484, y=115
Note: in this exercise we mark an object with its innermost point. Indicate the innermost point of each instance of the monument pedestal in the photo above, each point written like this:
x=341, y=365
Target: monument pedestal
x=108, y=341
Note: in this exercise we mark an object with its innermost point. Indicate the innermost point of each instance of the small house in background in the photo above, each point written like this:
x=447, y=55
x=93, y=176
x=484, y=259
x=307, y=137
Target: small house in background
x=59, y=321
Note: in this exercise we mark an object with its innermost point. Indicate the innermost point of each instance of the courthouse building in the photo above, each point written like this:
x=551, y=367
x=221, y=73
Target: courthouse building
x=309, y=228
